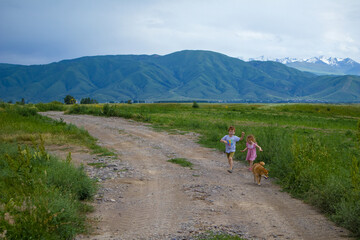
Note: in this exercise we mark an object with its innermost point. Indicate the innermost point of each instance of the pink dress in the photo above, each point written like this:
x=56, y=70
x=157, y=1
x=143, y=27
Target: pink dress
x=251, y=154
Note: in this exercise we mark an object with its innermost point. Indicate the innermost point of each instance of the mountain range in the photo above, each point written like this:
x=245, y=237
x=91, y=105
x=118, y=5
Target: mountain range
x=319, y=65
x=189, y=75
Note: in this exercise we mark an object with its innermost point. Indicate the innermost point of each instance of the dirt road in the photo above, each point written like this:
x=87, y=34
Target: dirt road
x=145, y=197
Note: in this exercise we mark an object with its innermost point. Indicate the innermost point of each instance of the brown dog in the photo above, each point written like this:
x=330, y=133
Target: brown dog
x=258, y=171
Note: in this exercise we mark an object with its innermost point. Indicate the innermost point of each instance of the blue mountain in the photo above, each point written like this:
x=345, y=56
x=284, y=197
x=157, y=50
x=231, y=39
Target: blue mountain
x=180, y=76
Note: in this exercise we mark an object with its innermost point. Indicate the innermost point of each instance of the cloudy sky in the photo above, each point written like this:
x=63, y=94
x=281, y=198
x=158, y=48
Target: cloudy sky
x=45, y=31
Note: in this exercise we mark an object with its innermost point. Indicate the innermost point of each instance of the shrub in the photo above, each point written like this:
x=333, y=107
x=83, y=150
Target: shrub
x=347, y=215
x=52, y=106
x=23, y=110
x=39, y=199
x=3, y=105
x=109, y=110
x=78, y=109
x=69, y=179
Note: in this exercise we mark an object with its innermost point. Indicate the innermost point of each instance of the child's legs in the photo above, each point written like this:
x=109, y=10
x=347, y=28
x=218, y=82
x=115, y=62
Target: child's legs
x=251, y=163
x=230, y=159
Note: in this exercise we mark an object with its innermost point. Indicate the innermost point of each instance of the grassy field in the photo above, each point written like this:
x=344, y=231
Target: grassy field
x=312, y=150
x=22, y=124
x=41, y=197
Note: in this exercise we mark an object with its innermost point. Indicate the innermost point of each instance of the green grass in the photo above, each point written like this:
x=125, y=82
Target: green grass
x=40, y=196
x=22, y=124
x=181, y=161
x=310, y=149
x=218, y=236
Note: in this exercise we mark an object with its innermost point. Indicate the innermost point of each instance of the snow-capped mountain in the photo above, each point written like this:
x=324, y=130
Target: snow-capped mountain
x=319, y=65
x=280, y=60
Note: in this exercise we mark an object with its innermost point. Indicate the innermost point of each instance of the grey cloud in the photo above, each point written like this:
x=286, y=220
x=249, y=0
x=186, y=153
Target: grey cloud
x=42, y=31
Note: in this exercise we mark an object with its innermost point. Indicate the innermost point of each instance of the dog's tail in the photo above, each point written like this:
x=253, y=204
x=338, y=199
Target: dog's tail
x=262, y=163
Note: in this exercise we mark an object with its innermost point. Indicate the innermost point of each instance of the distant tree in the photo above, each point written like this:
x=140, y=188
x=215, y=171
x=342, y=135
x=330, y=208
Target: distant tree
x=195, y=105
x=69, y=99
x=22, y=101
x=88, y=101
x=129, y=101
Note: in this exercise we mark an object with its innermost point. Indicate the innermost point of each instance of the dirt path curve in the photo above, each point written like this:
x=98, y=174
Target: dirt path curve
x=154, y=199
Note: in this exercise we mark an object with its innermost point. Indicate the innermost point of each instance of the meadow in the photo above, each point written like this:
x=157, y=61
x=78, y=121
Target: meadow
x=41, y=197
x=311, y=150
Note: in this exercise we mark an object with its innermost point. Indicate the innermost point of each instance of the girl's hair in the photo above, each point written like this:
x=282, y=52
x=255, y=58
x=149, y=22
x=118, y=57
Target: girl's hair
x=231, y=128
x=250, y=137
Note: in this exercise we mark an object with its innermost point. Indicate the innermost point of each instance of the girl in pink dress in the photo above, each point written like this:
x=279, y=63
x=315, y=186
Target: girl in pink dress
x=251, y=146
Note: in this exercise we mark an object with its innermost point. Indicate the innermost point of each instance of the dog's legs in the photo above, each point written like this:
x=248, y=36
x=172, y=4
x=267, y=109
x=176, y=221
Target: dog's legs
x=256, y=179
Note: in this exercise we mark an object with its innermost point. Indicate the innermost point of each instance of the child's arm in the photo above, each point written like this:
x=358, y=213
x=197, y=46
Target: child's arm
x=223, y=141
x=259, y=148
x=242, y=136
x=244, y=149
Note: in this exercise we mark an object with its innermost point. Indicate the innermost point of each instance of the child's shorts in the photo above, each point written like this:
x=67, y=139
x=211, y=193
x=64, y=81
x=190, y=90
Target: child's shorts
x=230, y=154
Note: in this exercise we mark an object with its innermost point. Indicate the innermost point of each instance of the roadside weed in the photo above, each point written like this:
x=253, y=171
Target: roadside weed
x=41, y=197
x=181, y=161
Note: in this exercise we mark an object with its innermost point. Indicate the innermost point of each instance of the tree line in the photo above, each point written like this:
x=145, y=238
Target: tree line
x=71, y=100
